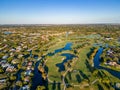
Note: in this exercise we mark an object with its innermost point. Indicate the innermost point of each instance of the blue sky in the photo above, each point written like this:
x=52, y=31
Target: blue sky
x=59, y=11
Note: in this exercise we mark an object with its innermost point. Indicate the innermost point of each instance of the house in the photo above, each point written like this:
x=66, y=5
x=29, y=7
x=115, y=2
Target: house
x=28, y=67
x=4, y=65
x=13, y=50
x=11, y=54
x=111, y=63
x=28, y=72
x=10, y=69
x=4, y=47
x=3, y=61
x=30, y=63
x=2, y=81
x=110, y=53
x=21, y=44
x=25, y=47
x=26, y=87
x=108, y=38
x=18, y=49
x=5, y=56
x=15, y=61
x=20, y=55
x=27, y=79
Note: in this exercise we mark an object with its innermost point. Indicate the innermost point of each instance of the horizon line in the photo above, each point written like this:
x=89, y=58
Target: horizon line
x=58, y=24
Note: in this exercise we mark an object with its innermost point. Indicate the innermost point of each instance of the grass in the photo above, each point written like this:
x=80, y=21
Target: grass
x=80, y=65
x=53, y=86
x=53, y=73
x=74, y=77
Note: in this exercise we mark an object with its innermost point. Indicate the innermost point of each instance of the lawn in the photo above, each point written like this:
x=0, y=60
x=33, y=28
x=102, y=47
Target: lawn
x=80, y=65
x=53, y=73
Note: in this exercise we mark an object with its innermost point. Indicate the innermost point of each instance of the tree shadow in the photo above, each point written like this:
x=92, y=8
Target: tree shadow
x=59, y=86
x=100, y=74
x=26, y=56
x=35, y=56
x=69, y=76
x=107, y=85
x=83, y=75
x=100, y=87
x=89, y=67
x=66, y=80
x=54, y=85
x=46, y=68
x=88, y=54
x=78, y=78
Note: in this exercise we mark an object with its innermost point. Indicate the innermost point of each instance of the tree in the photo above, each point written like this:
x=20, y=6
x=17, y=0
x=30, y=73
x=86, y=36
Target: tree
x=41, y=69
x=1, y=70
x=44, y=76
x=40, y=88
x=1, y=55
x=12, y=77
x=116, y=59
x=19, y=83
x=10, y=59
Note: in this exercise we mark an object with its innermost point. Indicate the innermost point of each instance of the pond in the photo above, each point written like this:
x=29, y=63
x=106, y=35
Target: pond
x=7, y=33
x=66, y=47
x=97, y=64
x=37, y=78
x=68, y=57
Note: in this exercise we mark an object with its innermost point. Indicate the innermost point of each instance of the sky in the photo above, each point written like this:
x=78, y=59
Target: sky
x=59, y=11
